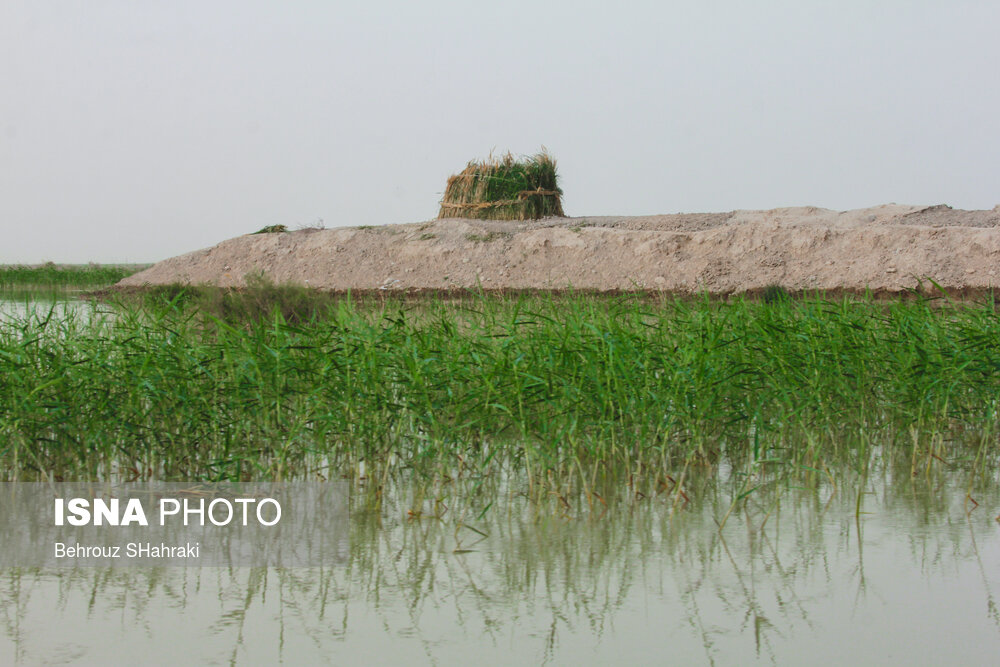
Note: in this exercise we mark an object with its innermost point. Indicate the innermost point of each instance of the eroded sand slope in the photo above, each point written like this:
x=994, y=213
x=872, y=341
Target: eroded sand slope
x=885, y=248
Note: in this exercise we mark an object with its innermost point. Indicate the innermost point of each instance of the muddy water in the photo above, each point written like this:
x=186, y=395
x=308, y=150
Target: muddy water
x=889, y=569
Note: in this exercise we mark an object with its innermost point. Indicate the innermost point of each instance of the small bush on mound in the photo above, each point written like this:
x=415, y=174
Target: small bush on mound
x=504, y=189
x=272, y=229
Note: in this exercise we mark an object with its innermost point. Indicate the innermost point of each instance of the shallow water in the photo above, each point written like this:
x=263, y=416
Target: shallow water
x=13, y=304
x=890, y=569
x=904, y=572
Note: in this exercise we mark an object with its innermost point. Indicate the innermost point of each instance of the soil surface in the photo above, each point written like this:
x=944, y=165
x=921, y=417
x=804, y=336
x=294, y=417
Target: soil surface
x=887, y=248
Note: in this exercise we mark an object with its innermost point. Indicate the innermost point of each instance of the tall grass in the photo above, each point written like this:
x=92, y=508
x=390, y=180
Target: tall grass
x=545, y=385
x=63, y=276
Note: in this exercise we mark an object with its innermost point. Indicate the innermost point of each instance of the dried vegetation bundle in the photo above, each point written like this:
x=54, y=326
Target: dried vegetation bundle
x=504, y=189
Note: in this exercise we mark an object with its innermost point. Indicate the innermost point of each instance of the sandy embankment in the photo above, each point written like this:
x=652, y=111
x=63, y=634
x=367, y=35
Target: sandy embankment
x=885, y=248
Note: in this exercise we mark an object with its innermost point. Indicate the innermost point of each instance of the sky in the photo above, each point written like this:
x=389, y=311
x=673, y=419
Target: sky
x=133, y=131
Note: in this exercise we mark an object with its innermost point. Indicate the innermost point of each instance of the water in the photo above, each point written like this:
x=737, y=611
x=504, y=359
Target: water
x=891, y=569
x=19, y=304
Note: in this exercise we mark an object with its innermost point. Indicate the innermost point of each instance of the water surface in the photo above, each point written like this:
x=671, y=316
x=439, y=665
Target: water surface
x=891, y=569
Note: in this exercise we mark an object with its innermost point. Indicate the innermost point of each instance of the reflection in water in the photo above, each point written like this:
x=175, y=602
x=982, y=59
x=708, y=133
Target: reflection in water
x=893, y=568
x=15, y=306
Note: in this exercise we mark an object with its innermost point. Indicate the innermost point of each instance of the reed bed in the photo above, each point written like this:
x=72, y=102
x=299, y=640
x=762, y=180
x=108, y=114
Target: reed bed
x=504, y=189
x=543, y=385
x=64, y=276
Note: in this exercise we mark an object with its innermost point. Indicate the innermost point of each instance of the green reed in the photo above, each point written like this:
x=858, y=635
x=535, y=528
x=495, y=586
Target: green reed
x=49, y=277
x=79, y=275
x=549, y=385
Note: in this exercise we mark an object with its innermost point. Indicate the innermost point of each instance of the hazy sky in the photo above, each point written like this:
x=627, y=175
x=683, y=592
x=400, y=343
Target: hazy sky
x=133, y=131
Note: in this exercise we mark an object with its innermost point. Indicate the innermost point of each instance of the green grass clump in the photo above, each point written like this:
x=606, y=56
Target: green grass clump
x=50, y=275
x=260, y=300
x=775, y=294
x=178, y=391
x=272, y=229
x=504, y=189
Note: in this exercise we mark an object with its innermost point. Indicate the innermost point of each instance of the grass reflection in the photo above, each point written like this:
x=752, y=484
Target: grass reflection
x=792, y=556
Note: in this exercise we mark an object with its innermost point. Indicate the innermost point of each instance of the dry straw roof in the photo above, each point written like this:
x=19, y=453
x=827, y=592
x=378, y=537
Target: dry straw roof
x=504, y=189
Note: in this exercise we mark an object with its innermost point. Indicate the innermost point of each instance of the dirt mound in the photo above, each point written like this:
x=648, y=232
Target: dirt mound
x=886, y=248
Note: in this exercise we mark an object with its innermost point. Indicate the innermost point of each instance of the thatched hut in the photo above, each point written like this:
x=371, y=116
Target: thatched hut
x=504, y=189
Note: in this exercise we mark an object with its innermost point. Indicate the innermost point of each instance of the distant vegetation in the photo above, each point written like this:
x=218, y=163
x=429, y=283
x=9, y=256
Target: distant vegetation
x=272, y=229
x=50, y=275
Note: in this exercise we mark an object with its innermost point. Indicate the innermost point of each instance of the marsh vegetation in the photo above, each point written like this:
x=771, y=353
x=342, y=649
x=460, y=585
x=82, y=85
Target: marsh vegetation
x=50, y=275
x=270, y=383
x=548, y=477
